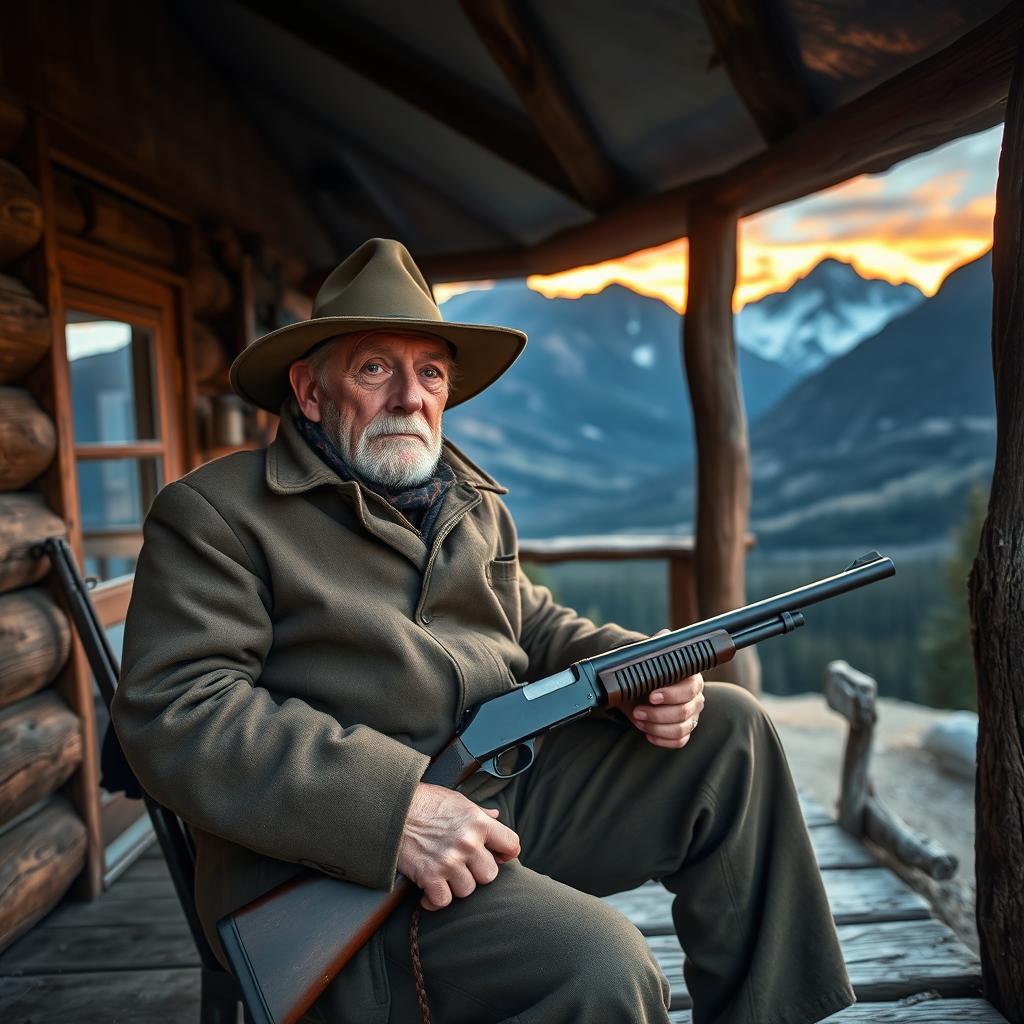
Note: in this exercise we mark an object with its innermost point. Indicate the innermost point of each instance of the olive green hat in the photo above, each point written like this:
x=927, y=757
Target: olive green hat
x=377, y=287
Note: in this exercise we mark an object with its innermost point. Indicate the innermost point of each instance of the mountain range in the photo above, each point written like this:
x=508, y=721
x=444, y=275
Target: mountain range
x=854, y=439
x=821, y=316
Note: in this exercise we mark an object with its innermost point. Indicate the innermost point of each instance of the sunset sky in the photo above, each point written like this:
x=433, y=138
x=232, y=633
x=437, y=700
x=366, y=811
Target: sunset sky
x=916, y=222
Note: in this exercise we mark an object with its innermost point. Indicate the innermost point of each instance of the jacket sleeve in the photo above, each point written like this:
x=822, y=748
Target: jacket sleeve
x=277, y=776
x=555, y=636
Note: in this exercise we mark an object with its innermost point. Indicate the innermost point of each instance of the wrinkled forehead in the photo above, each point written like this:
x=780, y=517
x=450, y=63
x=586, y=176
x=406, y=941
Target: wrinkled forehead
x=360, y=343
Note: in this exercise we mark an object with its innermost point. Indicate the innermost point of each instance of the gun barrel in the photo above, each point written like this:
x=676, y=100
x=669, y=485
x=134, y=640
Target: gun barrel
x=867, y=569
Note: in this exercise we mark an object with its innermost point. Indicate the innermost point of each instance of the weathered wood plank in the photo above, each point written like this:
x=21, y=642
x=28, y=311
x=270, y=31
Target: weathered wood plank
x=931, y=1011
x=855, y=896
x=153, y=997
x=814, y=813
x=885, y=961
x=78, y=914
x=141, y=889
x=147, y=869
x=101, y=948
x=834, y=848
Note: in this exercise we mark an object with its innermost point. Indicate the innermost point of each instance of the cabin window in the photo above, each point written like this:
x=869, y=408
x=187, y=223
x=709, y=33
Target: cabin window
x=124, y=425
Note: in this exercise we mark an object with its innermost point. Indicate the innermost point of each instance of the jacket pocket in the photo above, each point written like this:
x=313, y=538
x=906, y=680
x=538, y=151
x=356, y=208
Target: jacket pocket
x=503, y=579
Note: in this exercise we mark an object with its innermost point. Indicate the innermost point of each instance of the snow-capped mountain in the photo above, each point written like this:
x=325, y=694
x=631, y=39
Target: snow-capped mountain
x=821, y=316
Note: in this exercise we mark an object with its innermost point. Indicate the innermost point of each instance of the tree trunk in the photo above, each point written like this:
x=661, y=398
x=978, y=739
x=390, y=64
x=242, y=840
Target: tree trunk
x=720, y=427
x=997, y=602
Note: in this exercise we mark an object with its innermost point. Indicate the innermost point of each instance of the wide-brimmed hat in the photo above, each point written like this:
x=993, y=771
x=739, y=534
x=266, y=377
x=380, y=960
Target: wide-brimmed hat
x=377, y=287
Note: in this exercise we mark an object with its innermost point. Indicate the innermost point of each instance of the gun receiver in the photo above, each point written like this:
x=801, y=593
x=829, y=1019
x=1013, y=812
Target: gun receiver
x=287, y=946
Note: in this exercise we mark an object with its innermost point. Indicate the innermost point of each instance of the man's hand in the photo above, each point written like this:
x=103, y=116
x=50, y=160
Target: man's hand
x=669, y=715
x=450, y=844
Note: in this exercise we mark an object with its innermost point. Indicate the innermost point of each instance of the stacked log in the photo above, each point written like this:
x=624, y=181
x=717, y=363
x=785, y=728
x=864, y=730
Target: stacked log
x=25, y=522
x=43, y=841
x=34, y=643
x=24, y=330
x=92, y=213
x=21, y=214
x=28, y=439
x=39, y=858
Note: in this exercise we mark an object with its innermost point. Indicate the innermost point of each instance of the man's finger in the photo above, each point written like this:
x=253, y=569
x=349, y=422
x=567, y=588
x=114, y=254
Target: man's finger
x=436, y=895
x=502, y=841
x=666, y=713
x=461, y=881
x=670, y=730
x=678, y=693
x=483, y=867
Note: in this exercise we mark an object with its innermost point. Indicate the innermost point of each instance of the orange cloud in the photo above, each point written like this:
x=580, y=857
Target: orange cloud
x=916, y=223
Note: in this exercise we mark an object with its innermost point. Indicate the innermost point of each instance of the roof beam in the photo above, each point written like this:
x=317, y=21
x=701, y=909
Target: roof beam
x=349, y=149
x=760, y=64
x=517, y=49
x=422, y=83
x=957, y=91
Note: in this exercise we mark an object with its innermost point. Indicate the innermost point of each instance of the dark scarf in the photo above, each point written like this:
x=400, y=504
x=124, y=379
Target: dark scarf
x=421, y=502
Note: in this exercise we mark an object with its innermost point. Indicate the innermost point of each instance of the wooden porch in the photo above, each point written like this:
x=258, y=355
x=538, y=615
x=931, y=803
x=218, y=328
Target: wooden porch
x=129, y=957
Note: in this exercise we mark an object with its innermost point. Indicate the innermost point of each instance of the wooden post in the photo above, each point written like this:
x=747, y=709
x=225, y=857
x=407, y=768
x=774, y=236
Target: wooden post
x=720, y=425
x=997, y=601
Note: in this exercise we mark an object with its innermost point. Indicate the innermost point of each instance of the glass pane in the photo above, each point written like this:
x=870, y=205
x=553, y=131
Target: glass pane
x=113, y=388
x=115, y=495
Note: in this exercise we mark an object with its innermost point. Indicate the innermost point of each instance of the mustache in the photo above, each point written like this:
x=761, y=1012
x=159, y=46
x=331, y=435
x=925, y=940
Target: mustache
x=388, y=424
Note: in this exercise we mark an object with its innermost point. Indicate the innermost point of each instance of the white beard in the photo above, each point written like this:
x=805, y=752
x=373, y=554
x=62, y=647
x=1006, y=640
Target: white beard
x=393, y=462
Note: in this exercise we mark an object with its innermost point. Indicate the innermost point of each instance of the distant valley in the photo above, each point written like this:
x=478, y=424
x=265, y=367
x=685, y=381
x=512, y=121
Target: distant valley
x=870, y=407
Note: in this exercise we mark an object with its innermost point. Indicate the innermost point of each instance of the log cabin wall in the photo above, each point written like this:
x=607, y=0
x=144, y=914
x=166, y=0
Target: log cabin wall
x=45, y=823
x=173, y=211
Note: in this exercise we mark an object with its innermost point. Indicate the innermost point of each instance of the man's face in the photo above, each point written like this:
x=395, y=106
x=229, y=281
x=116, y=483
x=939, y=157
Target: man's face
x=379, y=398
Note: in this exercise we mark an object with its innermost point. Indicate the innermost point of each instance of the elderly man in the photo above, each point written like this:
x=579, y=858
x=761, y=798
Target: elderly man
x=309, y=625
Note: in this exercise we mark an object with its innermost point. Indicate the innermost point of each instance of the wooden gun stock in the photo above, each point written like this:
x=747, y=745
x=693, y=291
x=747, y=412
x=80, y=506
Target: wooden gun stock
x=309, y=928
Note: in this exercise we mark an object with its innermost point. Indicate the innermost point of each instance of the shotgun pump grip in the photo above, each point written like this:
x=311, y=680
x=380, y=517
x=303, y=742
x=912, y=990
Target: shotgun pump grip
x=637, y=678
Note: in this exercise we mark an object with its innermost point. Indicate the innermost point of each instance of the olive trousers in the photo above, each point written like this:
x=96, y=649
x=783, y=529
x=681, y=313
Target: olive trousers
x=601, y=811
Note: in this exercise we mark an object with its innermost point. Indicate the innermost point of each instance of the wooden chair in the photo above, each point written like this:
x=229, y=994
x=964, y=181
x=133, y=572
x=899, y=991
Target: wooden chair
x=219, y=998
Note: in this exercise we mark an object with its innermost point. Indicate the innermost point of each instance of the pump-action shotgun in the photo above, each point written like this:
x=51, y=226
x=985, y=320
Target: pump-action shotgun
x=287, y=946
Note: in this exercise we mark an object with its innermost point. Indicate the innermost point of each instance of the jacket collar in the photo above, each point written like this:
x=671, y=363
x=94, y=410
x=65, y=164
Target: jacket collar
x=292, y=467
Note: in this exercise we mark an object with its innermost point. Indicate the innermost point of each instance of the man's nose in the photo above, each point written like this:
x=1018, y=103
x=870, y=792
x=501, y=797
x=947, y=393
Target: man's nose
x=406, y=394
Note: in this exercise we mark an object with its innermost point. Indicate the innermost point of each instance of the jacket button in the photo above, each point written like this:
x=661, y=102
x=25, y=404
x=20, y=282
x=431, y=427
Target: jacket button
x=425, y=617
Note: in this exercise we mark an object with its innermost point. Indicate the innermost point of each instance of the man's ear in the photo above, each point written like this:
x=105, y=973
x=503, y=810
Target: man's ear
x=306, y=388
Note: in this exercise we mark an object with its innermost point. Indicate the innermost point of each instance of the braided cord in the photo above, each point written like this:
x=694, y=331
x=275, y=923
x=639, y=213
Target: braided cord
x=417, y=966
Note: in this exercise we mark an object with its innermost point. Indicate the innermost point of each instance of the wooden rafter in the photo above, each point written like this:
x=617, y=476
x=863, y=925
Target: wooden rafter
x=363, y=151
x=520, y=53
x=423, y=83
x=763, y=71
x=959, y=90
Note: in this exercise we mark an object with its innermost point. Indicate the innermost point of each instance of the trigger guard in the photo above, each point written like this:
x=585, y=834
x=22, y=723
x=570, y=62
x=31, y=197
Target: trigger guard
x=527, y=754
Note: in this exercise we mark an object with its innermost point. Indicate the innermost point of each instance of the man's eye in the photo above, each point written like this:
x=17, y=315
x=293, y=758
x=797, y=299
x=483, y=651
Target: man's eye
x=432, y=371
x=372, y=367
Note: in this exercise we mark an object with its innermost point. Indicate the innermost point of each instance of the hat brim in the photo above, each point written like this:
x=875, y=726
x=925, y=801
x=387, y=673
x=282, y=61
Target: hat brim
x=483, y=354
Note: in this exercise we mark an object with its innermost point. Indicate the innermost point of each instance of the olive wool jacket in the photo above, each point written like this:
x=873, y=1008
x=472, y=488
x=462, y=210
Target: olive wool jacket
x=294, y=654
